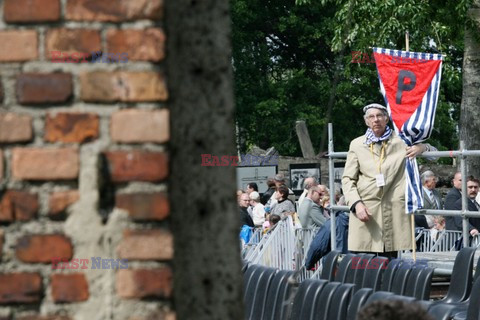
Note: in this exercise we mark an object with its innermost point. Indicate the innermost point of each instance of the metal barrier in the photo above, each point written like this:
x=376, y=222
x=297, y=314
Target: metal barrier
x=303, y=240
x=254, y=241
x=276, y=249
x=284, y=247
x=442, y=241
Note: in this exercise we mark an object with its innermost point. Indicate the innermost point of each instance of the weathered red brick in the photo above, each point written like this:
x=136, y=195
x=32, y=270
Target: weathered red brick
x=114, y=10
x=43, y=248
x=71, y=41
x=15, y=127
x=18, y=45
x=147, y=44
x=144, y=283
x=137, y=166
x=45, y=164
x=71, y=127
x=144, y=206
x=31, y=10
x=122, y=86
x=146, y=245
x=139, y=126
x=69, y=287
x=60, y=201
x=46, y=88
x=21, y=287
x=18, y=205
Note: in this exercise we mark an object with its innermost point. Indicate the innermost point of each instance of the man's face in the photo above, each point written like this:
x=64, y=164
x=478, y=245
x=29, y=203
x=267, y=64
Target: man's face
x=472, y=189
x=431, y=183
x=376, y=120
x=244, y=200
x=457, y=181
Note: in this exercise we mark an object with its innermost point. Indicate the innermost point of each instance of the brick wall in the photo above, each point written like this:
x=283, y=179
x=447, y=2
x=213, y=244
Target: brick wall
x=83, y=162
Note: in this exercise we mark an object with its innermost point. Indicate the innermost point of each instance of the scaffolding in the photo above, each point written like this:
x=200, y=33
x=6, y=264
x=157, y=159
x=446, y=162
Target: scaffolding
x=464, y=213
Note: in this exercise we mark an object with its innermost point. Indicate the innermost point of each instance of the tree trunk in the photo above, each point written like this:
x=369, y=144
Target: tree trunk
x=205, y=222
x=470, y=108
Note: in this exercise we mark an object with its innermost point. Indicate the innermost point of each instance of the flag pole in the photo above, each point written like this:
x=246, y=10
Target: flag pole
x=412, y=218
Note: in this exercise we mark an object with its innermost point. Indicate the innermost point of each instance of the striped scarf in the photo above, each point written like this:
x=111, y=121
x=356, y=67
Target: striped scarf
x=371, y=138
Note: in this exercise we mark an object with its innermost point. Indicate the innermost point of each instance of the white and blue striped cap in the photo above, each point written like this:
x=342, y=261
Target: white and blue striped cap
x=374, y=105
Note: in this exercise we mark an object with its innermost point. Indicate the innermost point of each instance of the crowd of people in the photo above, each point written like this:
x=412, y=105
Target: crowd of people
x=279, y=201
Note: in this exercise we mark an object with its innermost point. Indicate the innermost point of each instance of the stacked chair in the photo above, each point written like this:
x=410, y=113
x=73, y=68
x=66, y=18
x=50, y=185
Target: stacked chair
x=351, y=282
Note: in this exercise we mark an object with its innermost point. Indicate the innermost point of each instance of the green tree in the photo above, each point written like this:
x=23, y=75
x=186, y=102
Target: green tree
x=294, y=62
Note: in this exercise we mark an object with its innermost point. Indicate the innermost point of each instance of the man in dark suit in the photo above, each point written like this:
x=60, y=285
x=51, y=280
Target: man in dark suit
x=454, y=223
x=472, y=191
x=243, y=204
x=431, y=199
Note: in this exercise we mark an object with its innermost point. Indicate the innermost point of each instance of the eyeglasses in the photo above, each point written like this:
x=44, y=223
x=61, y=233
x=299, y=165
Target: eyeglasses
x=375, y=116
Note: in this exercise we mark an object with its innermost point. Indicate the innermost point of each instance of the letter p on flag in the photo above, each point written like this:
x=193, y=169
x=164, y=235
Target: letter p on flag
x=410, y=90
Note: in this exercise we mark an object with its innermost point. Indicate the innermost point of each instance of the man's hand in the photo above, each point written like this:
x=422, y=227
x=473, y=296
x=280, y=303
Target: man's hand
x=362, y=212
x=474, y=232
x=415, y=150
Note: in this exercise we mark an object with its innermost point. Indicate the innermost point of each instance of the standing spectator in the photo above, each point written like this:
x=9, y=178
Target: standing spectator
x=258, y=212
x=472, y=205
x=454, y=223
x=252, y=186
x=439, y=226
x=431, y=199
x=374, y=186
x=243, y=204
x=309, y=182
x=271, y=190
x=284, y=206
x=279, y=181
x=310, y=212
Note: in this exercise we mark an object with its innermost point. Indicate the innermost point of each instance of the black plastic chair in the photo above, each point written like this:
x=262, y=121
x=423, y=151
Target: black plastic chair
x=379, y=295
x=249, y=274
x=257, y=293
x=400, y=279
x=305, y=297
x=361, y=268
x=278, y=294
x=340, y=301
x=460, y=284
x=419, y=283
x=468, y=309
x=461, y=279
x=329, y=263
x=389, y=273
x=373, y=274
x=357, y=302
x=323, y=303
x=345, y=272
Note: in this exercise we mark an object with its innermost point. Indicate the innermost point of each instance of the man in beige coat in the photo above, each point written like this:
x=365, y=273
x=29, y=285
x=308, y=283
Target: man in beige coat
x=374, y=186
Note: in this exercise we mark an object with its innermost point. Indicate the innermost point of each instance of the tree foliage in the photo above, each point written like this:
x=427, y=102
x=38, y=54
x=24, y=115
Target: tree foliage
x=294, y=61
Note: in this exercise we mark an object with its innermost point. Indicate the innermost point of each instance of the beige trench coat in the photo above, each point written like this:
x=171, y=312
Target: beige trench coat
x=389, y=228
